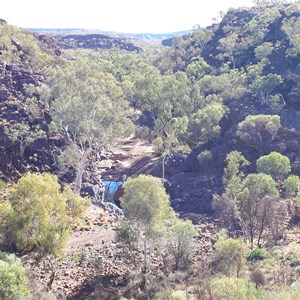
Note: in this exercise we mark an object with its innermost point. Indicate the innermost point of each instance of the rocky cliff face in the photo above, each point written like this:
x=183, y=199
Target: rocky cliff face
x=15, y=110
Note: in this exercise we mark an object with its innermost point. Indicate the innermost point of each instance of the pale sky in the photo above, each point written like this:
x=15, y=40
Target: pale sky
x=131, y=16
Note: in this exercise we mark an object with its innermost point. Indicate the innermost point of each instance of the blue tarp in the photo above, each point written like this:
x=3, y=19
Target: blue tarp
x=111, y=186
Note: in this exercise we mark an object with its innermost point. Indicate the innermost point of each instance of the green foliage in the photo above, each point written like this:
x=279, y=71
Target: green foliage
x=291, y=28
x=87, y=106
x=128, y=235
x=197, y=68
x=17, y=45
x=38, y=215
x=24, y=134
x=259, y=186
x=264, y=50
x=204, y=124
x=257, y=131
x=228, y=45
x=230, y=256
x=264, y=85
x=234, y=289
x=69, y=156
x=268, y=2
x=233, y=173
x=13, y=280
x=257, y=254
x=221, y=235
x=146, y=201
x=227, y=205
x=170, y=295
x=256, y=202
x=292, y=259
x=228, y=85
x=165, y=96
x=274, y=164
x=276, y=103
x=78, y=258
x=297, y=270
x=292, y=184
x=147, y=207
x=204, y=157
x=2, y=184
x=285, y=293
x=181, y=242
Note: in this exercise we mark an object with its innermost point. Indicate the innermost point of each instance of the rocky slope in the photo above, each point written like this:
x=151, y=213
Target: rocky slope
x=233, y=46
x=14, y=110
x=94, y=263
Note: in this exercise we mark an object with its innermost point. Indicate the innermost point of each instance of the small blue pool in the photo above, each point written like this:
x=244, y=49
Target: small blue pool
x=111, y=186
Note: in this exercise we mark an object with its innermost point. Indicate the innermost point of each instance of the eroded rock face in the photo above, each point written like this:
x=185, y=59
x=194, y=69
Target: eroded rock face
x=39, y=155
x=13, y=78
x=192, y=192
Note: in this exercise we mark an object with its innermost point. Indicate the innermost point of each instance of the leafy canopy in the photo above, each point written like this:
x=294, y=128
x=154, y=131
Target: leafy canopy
x=274, y=164
x=13, y=280
x=258, y=130
x=38, y=214
x=146, y=201
x=292, y=185
x=181, y=242
x=230, y=256
x=256, y=201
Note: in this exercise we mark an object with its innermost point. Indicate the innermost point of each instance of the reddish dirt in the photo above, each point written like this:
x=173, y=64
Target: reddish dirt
x=90, y=252
x=133, y=149
x=132, y=157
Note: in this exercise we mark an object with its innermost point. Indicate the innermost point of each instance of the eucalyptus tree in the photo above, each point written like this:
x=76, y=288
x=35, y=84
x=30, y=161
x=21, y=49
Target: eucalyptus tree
x=167, y=100
x=258, y=130
x=227, y=204
x=204, y=123
x=256, y=205
x=151, y=221
x=87, y=106
x=274, y=164
x=147, y=205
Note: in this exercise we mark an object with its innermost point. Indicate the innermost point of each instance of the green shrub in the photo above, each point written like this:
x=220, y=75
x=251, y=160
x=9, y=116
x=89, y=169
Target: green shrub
x=204, y=157
x=230, y=256
x=180, y=242
x=170, y=295
x=274, y=164
x=257, y=254
x=234, y=289
x=221, y=235
x=2, y=184
x=292, y=259
x=13, y=280
x=43, y=221
x=285, y=293
x=292, y=184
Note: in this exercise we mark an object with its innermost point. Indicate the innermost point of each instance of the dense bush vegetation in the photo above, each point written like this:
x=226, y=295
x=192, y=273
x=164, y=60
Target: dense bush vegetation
x=13, y=279
x=227, y=96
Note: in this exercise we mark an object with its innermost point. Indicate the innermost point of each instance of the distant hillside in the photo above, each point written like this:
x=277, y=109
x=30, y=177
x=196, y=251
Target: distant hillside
x=156, y=36
x=142, y=36
x=96, y=41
